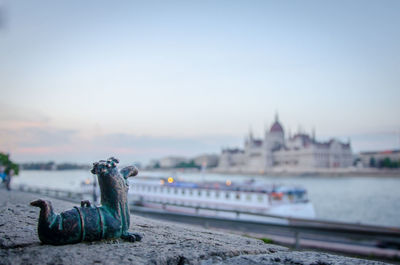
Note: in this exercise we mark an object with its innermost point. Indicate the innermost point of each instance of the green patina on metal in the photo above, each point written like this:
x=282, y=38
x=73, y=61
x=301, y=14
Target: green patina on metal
x=88, y=222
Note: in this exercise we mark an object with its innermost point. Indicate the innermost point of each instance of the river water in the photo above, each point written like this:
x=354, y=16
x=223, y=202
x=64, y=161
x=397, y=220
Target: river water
x=366, y=200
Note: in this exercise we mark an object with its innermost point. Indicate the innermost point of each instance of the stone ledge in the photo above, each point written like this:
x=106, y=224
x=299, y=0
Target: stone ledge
x=163, y=243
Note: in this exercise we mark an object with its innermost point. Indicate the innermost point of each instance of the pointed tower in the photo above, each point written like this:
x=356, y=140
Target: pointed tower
x=313, y=134
x=274, y=140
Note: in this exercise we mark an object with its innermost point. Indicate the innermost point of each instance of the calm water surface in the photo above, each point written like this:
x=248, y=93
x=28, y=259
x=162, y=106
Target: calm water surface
x=368, y=200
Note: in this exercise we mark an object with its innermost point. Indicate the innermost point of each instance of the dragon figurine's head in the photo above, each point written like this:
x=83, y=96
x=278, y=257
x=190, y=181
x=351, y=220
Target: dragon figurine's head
x=109, y=167
x=105, y=167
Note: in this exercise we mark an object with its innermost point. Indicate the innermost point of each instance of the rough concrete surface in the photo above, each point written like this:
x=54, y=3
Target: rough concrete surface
x=163, y=243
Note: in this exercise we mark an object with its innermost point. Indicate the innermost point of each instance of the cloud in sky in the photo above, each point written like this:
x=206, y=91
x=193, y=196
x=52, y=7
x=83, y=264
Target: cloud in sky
x=32, y=144
x=147, y=78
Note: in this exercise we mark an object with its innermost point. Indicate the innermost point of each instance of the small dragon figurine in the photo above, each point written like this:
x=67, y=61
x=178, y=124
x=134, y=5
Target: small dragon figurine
x=88, y=222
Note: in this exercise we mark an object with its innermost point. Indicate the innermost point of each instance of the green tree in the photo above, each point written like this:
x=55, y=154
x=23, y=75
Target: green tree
x=388, y=163
x=190, y=164
x=8, y=164
x=157, y=165
x=372, y=162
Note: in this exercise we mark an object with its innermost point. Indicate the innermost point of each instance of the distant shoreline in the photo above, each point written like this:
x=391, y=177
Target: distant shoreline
x=292, y=173
x=277, y=173
x=318, y=174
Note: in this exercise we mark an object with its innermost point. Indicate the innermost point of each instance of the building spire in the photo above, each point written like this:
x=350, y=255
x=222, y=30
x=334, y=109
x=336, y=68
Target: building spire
x=250, y=133
x=313, y=133
x=276, y=116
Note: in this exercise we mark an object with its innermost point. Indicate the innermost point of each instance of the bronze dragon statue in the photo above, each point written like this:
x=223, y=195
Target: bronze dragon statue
x=88, y=222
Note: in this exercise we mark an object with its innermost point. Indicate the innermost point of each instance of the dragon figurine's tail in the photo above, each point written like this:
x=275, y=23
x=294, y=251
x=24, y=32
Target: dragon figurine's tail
x=57, y=229
x=46, y=210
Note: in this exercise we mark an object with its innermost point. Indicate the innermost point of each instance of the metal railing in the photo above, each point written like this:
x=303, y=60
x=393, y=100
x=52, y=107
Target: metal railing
x=56, y=193
x=319, y=229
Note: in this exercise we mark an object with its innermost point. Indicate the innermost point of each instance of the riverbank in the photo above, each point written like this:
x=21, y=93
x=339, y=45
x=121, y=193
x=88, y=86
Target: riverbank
x=292, y=172
x=352, y=172
x=287, y=172
x=163, y=243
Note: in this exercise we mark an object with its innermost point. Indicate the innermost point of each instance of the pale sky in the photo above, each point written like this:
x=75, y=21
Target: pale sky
x=84, y=80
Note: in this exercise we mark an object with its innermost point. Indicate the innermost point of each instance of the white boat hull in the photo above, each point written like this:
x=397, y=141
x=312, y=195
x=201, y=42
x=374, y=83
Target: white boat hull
x=245, y=205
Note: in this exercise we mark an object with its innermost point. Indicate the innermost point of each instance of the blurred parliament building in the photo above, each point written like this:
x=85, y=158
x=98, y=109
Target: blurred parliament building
x=300, y=151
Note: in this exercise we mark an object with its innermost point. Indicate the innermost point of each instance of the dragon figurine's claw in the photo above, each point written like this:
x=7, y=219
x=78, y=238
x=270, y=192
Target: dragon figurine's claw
x=132, y=237
x=85, y=203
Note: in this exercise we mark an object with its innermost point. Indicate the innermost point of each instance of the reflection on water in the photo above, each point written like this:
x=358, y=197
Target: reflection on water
x=368, y=200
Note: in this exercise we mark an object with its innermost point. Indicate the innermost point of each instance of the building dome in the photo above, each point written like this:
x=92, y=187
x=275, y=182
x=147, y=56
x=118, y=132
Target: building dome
x=276, y=127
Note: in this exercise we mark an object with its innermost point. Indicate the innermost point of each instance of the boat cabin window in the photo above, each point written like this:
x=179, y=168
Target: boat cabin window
x=190, y=192
x=227, y=195
x=260, y=198
x=208, y=193
x=248, y=197
x=199, y=193
x=217, y=194
x=237, y=196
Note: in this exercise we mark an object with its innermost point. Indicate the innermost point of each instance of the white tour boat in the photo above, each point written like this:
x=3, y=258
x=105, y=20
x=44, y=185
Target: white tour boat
x=227, y=199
